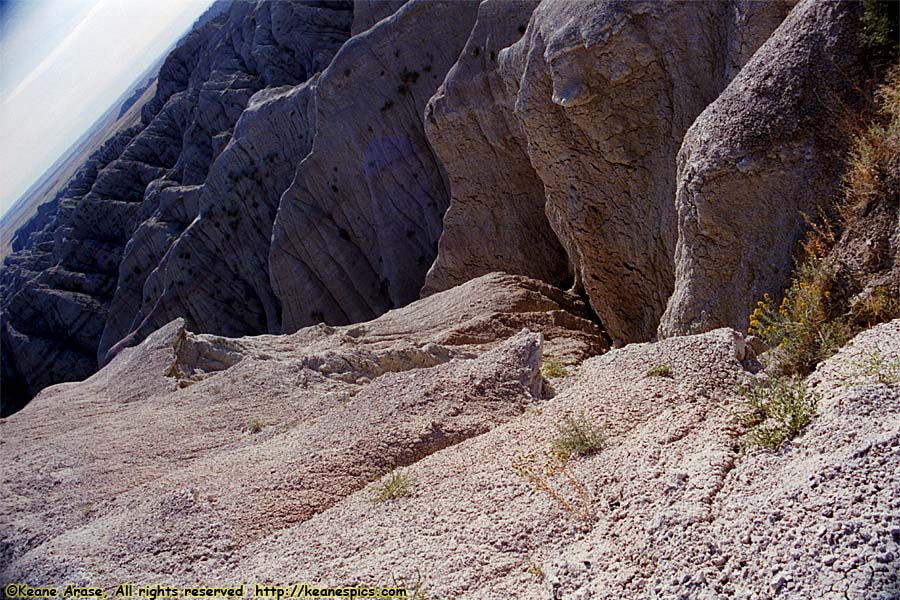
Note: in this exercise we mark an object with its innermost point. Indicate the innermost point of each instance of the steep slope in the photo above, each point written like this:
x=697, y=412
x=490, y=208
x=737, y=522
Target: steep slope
x=462, y=365
x=358, y=229
x=207, y=277
x=247, y=458
x=53, y=292
x=496, y=218
x=222, y=276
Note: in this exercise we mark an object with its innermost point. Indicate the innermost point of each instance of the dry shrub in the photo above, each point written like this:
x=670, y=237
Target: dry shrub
x=874, y=155
x=812, y=321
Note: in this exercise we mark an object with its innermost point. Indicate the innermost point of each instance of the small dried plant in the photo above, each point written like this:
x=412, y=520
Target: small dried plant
x=556, y=466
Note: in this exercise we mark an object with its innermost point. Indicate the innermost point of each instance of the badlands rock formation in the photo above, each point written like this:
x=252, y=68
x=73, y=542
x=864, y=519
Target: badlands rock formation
x=217, y=454
x=307, y=162
x=771, y=145
x=496, y=219
x=605, y=92
x=134, y=199
x=355, y=235
x=359, y=240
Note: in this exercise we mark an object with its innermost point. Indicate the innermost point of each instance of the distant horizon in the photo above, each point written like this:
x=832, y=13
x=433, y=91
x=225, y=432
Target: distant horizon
x=64, y=64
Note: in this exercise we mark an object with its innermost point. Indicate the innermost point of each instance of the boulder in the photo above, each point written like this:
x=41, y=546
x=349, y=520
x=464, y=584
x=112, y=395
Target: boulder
x=767, y=152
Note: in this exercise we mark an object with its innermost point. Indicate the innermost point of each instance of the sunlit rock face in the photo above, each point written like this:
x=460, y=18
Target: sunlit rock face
x=769, y=150
x=605, y=93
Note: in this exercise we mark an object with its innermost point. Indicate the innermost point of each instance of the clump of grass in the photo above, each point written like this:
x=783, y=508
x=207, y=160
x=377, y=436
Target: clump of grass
x=776, y=412
x=395, y=485
x=254, y=426
x=86, y=509
x=877, y=367
x=874, y=151
x=659, y=371
x=577, y=435
x=553, y=367
x=533, y=568
x=542, y=478
x=880, y=306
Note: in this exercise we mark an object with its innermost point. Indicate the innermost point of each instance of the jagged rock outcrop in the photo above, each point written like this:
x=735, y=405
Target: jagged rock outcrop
x=215, y=275
x=358, y=228
x=154, y=183
x=53, y=292
x=769, y=149
x=496, y=218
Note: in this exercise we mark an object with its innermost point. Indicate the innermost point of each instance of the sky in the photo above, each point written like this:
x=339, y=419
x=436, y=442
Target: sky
x=63, y=63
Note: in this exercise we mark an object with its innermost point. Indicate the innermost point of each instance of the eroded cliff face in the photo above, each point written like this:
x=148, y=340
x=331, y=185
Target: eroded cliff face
x=496, y=220
x=766, y=156
x=358, y=228
x=305, y=162
x=602, y=93
x=81, y=282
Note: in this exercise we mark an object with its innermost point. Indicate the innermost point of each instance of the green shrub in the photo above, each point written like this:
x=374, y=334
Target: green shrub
x=880, y=33
x=533, y=568
x=776, y=412
x=815, y=317
x=395, y=485
x=807, y=326
x=254, y=426
x=553, y=367
x=659, y=371
x=577, y=436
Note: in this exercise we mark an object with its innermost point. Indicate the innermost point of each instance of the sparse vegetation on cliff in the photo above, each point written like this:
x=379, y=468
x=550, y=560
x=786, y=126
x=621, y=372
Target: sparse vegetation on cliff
x=828, y=302
x=395, y=485
x=659, y=371
x=577, y=436
x=553, y=367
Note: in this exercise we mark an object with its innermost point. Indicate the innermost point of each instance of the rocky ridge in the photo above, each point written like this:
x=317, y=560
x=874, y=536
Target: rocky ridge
x=570, y=142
